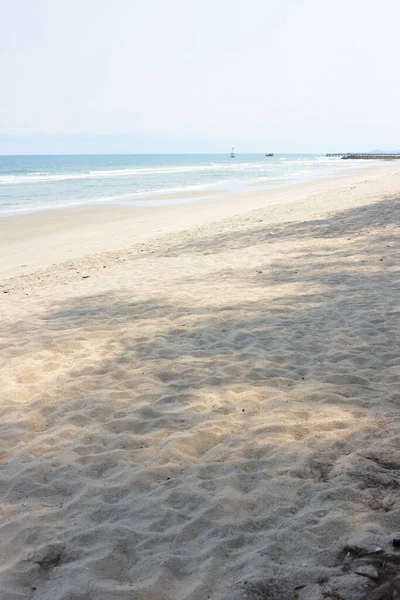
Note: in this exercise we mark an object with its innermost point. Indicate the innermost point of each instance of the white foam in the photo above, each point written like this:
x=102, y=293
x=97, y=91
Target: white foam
x=109, y=173
x=232, y=176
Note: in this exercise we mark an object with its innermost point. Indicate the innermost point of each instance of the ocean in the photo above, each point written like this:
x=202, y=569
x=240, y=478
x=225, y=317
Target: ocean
x=33, y=183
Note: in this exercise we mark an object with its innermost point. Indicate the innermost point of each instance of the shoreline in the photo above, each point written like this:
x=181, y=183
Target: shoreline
x=37, y=240
x=192, y=193
x=204, y=408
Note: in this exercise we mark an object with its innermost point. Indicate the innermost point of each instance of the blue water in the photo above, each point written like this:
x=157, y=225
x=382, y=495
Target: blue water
x=31, y=183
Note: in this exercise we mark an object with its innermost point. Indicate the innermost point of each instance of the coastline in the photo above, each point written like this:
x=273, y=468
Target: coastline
x=40, y=239
x=37, y=183
x=201, y=400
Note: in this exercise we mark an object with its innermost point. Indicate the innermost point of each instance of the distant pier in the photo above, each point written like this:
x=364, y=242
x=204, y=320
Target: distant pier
x=366, y=156
x=372, y=156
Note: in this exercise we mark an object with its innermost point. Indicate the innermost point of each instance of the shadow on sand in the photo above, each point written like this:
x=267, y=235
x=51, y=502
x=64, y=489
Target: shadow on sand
x=208, y=442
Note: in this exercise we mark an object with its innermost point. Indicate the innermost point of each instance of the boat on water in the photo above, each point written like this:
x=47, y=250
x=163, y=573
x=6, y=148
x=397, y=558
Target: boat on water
x=269, y=154
x=233, y=152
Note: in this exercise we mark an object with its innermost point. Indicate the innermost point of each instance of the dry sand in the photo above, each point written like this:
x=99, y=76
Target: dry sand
x=205, y=412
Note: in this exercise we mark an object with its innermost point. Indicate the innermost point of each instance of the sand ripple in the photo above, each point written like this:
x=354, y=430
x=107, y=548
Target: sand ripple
x=215, y=419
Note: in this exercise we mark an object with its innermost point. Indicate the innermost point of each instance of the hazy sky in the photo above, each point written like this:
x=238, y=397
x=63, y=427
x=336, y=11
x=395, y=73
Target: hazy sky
x=199, y=75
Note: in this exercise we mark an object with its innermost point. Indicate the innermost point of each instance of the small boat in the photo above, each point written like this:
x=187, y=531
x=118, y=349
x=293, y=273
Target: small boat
x=269, y=155
x=233, y=153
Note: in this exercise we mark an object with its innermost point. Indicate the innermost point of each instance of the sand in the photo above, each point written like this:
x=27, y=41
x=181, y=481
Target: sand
x=201, y=401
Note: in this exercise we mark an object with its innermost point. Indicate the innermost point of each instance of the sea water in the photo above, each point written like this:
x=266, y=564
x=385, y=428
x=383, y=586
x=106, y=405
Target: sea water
x=32, y=183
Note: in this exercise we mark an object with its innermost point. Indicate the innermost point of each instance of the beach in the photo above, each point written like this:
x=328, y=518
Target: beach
x=200, y=401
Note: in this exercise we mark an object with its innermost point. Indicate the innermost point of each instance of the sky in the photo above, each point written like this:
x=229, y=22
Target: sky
x=102, y=76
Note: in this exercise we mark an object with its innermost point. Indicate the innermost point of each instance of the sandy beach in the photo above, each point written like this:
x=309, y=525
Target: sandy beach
x=201, y=401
